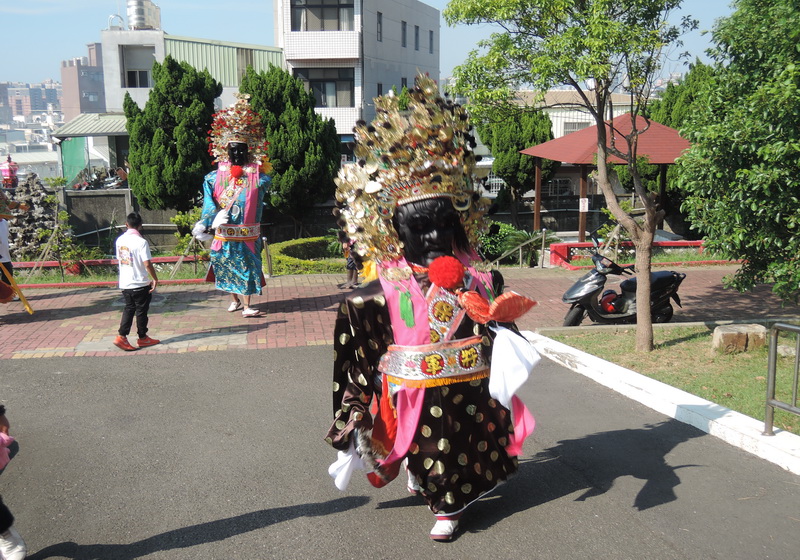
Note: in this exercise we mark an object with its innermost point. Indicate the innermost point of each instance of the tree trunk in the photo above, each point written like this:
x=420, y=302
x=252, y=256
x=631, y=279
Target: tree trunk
x=514, y=209
x=644, y=319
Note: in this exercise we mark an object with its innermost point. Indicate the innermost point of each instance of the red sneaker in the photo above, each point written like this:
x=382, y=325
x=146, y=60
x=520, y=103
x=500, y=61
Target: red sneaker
x=147, y=341
x=122, y=343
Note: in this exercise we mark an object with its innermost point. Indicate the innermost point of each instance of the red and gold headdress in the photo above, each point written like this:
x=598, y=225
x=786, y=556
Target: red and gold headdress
x=238, y=123
x=405, y=156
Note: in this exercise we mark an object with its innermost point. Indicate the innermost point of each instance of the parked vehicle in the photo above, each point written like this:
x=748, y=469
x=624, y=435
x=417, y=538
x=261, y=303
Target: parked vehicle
x=588, y=298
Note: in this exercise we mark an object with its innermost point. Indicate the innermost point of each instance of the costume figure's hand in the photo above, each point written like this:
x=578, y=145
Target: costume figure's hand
x=221, y=218
x=198, y=228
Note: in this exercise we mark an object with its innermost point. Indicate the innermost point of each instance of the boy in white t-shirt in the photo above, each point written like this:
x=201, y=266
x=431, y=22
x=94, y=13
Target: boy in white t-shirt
x=133, y=254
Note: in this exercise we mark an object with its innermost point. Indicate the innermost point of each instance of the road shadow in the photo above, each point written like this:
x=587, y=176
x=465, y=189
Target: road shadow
x=591, y=464
x=201, y=533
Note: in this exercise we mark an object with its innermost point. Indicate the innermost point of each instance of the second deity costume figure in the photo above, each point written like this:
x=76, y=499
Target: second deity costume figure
x=233, y=200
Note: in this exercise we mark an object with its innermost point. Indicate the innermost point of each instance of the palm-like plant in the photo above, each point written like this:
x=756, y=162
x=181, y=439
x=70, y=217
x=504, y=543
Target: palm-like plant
x=528, y=242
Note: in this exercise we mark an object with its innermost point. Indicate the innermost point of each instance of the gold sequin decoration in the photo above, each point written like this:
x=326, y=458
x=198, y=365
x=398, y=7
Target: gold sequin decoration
x=445, y=390
x=492, y=403
x=479, y=417
x=449, y=498
x=427, y=463
x=344, y=338
x=471, y=409
x=426, y=431
x=456, y=427
x=489, y=475
x=380, y=301
x=432, y=488
x=491, y=426
x=502, y=442
x=358, y=416
x=329, y=440
x=346, y=407
x=458, y=398
x=335, y=386
x=436, y=412
x=444, y=445
x=438, y=467
x=340, y=424
x=475, y=383
x=343, y=309
x=372, y=344
x=462, y=459
x=362, y=380
x=346, y=365
x=494, y=455
x=466, y=488
x=454, y=478
x=486, y=341
x=477, y=467
x=482, y=446
x=476, y=329
x=358, y=302
x=413, y=448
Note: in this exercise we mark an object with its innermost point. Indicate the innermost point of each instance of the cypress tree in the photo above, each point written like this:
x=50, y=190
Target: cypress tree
x=168, y=138
x=304, y=148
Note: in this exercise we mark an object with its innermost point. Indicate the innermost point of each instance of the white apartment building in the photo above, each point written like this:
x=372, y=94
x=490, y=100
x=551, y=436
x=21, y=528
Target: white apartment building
x=350, y=51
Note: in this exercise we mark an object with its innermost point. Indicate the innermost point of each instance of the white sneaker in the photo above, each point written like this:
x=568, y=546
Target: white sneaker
x=444, y=529
x=12, y=547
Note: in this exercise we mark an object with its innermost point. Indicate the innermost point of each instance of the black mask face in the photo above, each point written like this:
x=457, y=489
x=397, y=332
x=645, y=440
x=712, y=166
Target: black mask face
x=428, y=229
x=237, y=153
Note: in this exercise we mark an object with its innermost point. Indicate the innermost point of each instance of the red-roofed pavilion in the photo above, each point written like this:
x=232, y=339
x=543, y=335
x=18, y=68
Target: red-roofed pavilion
x=660, y=144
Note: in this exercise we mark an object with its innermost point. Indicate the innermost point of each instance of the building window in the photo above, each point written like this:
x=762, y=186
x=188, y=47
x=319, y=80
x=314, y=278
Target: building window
x=244, y=58
x=380, y=89
x=430, y=42
x=403, y=83
x=572, y=126
x=137, y=79
x=416, y=37
x=403, y=26
x=322, y=15
x=332, y=87
x=380, y=27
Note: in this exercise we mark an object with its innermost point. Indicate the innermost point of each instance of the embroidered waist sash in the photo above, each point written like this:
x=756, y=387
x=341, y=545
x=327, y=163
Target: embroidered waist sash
x=232, y=232
x=431, y=365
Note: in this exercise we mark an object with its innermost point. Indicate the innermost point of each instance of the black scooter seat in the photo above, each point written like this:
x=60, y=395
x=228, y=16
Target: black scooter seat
x=658, y=281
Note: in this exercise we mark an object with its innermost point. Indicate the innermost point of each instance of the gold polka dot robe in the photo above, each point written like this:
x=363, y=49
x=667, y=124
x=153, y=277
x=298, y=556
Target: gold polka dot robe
x=459, y=450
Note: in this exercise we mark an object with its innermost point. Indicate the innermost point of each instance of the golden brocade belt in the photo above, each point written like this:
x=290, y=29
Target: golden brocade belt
x=432, y=365
x=232, y=232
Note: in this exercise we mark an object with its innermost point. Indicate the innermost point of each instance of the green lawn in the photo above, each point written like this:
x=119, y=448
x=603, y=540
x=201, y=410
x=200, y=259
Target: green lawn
x=684, y=358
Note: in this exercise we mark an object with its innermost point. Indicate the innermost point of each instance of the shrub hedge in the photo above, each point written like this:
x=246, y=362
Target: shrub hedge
x=309, y=255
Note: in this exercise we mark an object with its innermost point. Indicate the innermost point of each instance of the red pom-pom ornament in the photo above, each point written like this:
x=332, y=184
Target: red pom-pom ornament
x=446, y=272
x=236, y=171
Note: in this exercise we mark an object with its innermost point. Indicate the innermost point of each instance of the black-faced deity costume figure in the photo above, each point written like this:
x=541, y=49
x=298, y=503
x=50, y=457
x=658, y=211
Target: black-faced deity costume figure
x=414, y=379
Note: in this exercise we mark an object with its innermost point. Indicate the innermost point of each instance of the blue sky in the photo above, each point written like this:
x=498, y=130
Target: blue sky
x=38, y=34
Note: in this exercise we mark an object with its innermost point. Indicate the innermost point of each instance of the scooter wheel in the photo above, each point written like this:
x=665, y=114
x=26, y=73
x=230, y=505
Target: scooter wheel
x=574, y=317
x=663, y=315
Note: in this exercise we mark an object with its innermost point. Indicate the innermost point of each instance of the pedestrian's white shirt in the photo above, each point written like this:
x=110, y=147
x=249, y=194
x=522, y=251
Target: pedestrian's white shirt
x=132, y=251
x=5, y=251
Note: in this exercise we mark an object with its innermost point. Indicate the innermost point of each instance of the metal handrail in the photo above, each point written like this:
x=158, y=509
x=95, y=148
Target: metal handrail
x=771, y=402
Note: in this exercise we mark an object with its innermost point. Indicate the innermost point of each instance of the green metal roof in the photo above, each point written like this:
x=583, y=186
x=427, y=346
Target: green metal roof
x=94, y=124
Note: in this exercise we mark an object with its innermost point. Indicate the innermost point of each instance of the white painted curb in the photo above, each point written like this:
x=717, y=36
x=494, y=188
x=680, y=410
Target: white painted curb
x=782, y=449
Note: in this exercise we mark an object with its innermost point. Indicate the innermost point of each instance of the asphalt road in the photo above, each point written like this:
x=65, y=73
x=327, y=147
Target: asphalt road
x=219, y=455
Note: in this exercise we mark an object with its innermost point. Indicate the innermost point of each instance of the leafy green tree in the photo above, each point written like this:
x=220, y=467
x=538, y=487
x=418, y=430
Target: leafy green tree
x=304, y=148
x=741, y=173
x=610, y=44
x=679, y=101
x=512, y=132
x=168, y=138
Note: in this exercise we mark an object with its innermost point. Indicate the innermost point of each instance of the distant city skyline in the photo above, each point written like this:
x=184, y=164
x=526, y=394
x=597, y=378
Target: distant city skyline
x=39, y=34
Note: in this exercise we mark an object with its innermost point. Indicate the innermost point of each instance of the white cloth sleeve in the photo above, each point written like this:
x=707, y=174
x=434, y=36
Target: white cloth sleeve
x=347, y=462
x=513, y=359
x=222, y=217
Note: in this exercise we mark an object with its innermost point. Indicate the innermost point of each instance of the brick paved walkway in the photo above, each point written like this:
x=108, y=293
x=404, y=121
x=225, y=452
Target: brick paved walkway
x=299, y=311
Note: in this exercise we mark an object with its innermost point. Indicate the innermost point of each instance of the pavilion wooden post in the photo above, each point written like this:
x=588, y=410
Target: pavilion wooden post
x=537, y=201
x=581, y=210
x=662, y=192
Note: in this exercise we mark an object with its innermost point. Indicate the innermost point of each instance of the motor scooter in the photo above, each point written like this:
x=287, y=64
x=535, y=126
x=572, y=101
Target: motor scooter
x=587, y=297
